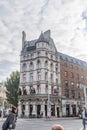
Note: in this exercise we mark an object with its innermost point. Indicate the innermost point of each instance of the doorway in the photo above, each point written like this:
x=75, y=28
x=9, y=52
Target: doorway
x=52, y=110
x=68, y=110
x=58, y=115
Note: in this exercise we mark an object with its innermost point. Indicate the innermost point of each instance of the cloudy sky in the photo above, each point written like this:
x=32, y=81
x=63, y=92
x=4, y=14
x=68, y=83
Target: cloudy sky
x=67, y=20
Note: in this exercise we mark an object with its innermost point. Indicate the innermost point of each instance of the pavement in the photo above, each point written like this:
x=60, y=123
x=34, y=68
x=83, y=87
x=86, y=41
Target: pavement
x=44, y=119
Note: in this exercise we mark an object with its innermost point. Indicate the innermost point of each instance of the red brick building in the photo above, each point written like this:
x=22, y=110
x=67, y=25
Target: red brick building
x=73, y=74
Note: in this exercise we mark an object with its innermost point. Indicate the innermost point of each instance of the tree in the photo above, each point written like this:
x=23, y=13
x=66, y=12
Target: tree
x=12, y=85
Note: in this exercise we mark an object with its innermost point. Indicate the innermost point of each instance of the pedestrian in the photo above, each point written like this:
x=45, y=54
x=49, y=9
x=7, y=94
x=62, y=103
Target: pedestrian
x=84, y=118
x=10, y=122
x=57, y=127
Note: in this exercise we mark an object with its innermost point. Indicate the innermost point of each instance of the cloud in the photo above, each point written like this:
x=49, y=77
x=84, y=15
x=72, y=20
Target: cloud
x=66, y=20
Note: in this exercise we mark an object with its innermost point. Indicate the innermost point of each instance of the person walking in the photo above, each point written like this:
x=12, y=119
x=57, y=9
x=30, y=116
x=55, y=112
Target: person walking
x=84, y=118
x=10, y=122
x=57, y=127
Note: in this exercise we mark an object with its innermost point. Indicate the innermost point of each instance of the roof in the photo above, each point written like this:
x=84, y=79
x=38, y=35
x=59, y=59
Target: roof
x=72, y=59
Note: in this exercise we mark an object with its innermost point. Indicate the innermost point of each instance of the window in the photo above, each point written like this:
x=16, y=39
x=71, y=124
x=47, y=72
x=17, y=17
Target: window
x=51, y=78
x=72, y=75
x=24, y=67
x=46, y=76
x=51, y=66
x=77, y=67
x=82, y=77
x=31, y=77
x=66, y=59
x=71, y=66
x=61, y=57
x=77, y=76
x=51, y=57
x=65, y=64
x=46, y=89
x=66, y=83
x=38, y=64
x=39, y=76
x=38, y=89
x=73, y=93
x=67, y=93
x=78, y=85
x=46, y=64
x=24, y=77
x=66, y=73
x=46, y=54
x=32, y=55
x=56, y=71
x=56, y=81
x=38, y=53
x=31, y=66
x=72, y=84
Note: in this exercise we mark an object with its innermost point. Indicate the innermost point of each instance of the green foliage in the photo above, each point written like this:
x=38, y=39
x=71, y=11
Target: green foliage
x=12, y=85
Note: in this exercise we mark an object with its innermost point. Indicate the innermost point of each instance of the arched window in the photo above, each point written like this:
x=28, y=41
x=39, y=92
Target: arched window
x=38, y=89
x=46, y=63
x=51, y=66
x=46, y=76
x=24, y=78
x=38, y=75
x=24, y=67
x=31, y=66
x=38, y=64
x=31, y=77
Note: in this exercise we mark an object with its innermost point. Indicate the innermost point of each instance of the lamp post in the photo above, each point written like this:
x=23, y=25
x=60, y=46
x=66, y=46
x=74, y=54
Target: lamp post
x=48, y=103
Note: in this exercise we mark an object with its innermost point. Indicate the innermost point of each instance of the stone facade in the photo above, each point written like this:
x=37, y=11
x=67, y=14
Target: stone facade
x=42, y=90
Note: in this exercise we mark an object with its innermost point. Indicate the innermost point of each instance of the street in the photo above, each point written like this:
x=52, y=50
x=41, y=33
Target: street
x=43, y=124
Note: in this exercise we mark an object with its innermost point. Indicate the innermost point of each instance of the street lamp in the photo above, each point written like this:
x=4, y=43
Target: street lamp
x=48, y=103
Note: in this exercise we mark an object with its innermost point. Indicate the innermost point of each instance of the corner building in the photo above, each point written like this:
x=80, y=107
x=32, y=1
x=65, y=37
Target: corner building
x=39, y=91
x=48, y=83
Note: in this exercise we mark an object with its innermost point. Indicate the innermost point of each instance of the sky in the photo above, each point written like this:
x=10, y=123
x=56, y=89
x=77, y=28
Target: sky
x=67, y=20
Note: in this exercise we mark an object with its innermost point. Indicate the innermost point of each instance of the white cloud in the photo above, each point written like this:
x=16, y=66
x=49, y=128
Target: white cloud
x=64, y=18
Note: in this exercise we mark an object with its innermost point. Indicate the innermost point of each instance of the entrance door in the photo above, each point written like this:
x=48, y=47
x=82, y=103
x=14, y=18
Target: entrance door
x=38, y=110
x=74, y=110
x=52, y=110
x=58, y=115
x=67, y=109
x=46, y=110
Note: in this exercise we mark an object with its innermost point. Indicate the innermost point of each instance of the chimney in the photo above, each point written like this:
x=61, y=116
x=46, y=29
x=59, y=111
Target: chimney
x=23, y=38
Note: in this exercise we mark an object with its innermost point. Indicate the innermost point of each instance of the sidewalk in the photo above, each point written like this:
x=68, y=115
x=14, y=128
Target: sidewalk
x=82, y=128
x=43, y=119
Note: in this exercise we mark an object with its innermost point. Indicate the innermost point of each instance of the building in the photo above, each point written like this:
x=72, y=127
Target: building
x=2, y=98
x=73, y=83
x=43, y=87
x=39, y=77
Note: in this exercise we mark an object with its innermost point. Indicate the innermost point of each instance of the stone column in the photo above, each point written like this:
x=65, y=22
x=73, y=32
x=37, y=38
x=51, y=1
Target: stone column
x=34, y=109
x=27, y=110
x=55, y=110
x=19, y=109
x=43, y=109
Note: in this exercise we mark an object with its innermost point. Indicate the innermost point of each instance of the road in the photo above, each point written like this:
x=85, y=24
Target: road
x=43, y=124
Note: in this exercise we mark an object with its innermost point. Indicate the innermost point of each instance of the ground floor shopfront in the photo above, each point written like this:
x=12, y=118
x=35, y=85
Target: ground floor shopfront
x=71, y=107
x=38, y=107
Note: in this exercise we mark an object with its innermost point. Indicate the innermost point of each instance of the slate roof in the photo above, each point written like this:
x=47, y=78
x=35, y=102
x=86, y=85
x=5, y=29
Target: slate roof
x=72, y=59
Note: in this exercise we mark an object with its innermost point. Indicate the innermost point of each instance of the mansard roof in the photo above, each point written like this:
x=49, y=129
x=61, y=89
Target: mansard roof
x=44, y=37
x=72, y=59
